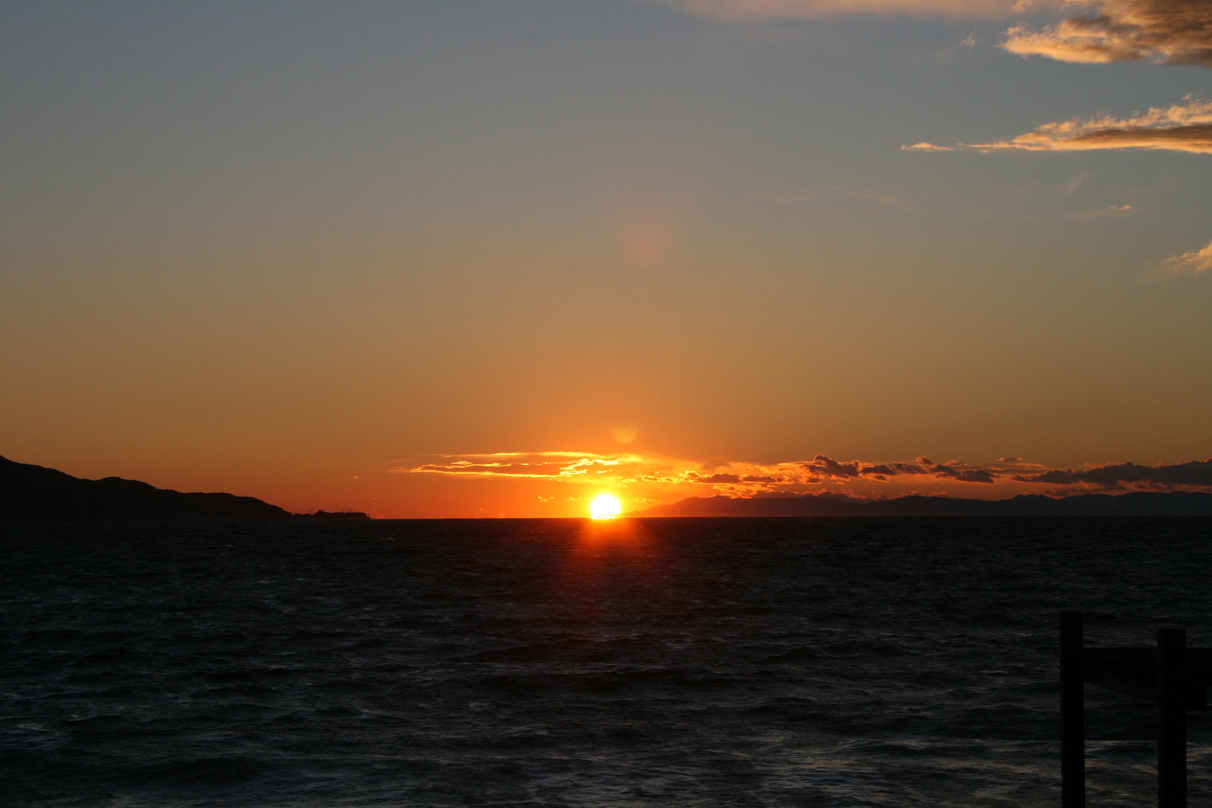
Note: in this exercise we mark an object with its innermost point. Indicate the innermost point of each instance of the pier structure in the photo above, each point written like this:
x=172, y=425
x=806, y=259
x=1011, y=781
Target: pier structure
x=1171, y=675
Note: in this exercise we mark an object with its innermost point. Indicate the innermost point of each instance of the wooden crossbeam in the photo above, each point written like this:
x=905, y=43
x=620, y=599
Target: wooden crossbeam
x=1133, y=672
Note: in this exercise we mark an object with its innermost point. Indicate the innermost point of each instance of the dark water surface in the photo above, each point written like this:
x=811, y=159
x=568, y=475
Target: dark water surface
x=681, y=662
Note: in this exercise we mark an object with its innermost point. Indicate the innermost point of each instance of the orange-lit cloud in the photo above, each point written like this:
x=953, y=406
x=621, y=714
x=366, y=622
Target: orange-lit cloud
x=564, y=466
x=1002, y=477
x=1184, y=127
x=1191, y=263
x=1162, y=31
x=762, y=10
x=734, y=477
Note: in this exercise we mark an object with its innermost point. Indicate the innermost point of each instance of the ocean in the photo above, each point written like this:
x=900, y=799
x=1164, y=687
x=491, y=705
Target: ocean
x=643, y=662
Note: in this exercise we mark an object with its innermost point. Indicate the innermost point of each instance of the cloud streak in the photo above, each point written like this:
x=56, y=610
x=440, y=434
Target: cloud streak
x=1006, y=476
x=565, y=466
x=1183, y=127
x=1113, y=212
x=733, y=477
x=1161, y=31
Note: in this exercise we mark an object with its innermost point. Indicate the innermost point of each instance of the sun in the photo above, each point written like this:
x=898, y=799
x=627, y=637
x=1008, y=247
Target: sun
x=605, y=507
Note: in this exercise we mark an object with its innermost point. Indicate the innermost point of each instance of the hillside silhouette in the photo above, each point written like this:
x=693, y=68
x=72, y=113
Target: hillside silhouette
x=35, y=493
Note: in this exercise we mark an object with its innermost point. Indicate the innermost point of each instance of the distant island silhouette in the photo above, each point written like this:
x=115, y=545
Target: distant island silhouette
x=35, y=493
x=1136, y=503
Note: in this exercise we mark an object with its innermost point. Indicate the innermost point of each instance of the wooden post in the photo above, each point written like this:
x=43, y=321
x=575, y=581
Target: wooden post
x=1073, y=730
x=1171, y=718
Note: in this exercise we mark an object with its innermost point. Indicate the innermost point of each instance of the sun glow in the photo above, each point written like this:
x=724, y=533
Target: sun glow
x=605, y=507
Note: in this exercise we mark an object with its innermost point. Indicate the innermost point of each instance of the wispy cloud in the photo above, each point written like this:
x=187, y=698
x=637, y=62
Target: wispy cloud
x=1162, y=31
x=731, y=476
x=1183, y=127
x=1002, y=477
x=763, y=10
x=1192, y=263
x=1072, y=185
x=1177, y=32
x=1112, y=212
x=566, y=466
x=613, y=469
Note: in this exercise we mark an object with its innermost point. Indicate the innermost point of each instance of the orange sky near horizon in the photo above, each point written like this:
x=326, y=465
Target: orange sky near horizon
x=473, y=259
x=563, y=484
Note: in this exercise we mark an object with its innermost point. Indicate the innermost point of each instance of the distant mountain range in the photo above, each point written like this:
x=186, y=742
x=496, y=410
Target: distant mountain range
x=1137, y=503
x=35, y=493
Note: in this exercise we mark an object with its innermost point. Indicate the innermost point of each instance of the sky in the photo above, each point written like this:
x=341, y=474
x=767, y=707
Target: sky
x=463, y=258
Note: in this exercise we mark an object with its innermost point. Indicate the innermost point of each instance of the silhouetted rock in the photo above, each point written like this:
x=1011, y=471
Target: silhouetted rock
x=1137, y=503
x=34, y=493
x=333, y=515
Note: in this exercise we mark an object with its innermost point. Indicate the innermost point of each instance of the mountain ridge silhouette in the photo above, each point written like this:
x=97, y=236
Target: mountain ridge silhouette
x=1135, y=503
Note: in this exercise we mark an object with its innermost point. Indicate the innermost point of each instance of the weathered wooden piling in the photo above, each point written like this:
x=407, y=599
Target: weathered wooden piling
x=1171, y=718
x=1073, y=713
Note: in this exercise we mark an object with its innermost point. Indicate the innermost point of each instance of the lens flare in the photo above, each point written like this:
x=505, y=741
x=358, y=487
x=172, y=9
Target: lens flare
x=605, y=507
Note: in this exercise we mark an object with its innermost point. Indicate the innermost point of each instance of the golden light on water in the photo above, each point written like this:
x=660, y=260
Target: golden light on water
x=605, y=507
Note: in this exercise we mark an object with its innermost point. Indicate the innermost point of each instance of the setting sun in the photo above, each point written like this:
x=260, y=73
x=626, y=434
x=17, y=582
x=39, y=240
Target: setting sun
x=605, y=507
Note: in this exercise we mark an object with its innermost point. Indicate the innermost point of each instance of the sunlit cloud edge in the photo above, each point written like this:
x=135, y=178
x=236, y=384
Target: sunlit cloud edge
x=1168, y=33
x=1183, y=127
x=748, y=479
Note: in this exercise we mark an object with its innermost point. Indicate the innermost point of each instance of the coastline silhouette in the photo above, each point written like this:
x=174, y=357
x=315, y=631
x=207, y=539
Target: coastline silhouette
x=36, y=493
